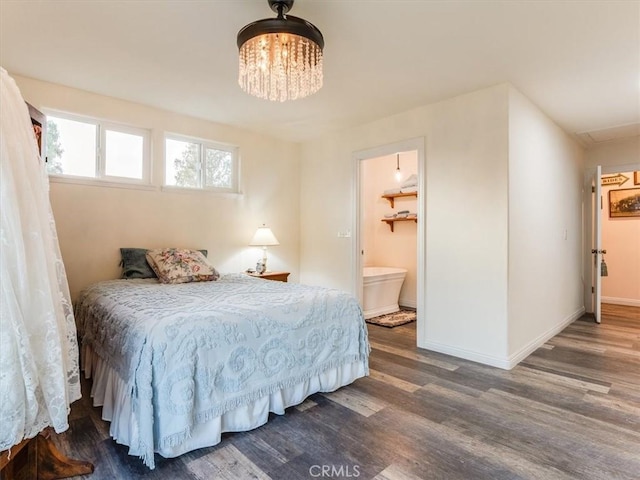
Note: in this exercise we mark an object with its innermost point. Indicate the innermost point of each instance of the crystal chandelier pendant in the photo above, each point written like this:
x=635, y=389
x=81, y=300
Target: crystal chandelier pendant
x=280, y=58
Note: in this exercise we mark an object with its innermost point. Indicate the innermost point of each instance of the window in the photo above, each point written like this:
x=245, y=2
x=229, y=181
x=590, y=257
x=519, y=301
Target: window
x=82, y=147
x=200, y=164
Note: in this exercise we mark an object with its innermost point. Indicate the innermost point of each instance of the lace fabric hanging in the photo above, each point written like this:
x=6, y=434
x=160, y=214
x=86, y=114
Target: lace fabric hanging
x=39, y=375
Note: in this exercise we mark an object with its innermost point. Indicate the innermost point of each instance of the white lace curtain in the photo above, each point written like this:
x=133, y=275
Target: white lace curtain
x=39, y=375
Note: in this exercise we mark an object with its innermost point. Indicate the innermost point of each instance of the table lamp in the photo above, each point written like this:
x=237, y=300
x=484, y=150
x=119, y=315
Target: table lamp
x=263, y=237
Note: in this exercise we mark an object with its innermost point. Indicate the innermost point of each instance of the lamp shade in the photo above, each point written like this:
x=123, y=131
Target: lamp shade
x=263, y=237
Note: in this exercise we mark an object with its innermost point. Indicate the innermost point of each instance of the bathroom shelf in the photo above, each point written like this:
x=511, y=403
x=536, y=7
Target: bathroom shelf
x=391, y=221
x=392, y=196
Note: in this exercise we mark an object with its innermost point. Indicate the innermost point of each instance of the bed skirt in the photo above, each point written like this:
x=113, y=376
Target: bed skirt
x=111, y=393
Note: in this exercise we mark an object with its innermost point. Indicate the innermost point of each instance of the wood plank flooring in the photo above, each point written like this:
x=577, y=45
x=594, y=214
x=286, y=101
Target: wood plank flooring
x=571, y=410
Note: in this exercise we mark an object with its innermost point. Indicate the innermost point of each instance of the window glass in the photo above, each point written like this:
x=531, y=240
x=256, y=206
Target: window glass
x=200, y=164
x=71, y=147
x=92, y=148
x=124, y=153
x=182, y=163
x=218, y=168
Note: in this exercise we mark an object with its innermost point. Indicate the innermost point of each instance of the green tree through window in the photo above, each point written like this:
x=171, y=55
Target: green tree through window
x=193, y=164
x=188, y=167
x=54, y=148
x=219, y=168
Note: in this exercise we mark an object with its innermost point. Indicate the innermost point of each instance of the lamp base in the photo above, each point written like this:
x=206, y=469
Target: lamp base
x=264, y=259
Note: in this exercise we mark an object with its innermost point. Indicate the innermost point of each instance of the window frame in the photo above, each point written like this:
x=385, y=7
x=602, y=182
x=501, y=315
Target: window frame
x=100, y=163
x=204, y=144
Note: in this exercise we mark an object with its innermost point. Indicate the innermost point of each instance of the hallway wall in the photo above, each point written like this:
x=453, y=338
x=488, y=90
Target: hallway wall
x=545, y=227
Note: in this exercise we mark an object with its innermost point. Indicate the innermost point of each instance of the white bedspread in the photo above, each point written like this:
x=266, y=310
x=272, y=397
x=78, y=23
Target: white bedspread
x=191, y=353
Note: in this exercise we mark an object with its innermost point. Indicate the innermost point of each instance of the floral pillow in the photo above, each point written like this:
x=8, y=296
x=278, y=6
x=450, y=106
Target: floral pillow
x=181, y=265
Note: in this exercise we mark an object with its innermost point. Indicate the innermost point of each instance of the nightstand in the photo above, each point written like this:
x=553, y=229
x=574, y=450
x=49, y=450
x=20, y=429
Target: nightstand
x=277, y=276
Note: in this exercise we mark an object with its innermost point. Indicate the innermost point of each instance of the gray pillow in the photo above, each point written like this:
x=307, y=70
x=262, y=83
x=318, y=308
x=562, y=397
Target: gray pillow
x=134, y=263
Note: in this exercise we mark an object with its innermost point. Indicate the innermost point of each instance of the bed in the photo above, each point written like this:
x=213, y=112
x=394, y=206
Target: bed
x=175, y=366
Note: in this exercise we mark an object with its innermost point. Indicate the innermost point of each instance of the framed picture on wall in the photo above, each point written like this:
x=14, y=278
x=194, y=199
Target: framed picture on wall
x=636, y=178
x=624, y=202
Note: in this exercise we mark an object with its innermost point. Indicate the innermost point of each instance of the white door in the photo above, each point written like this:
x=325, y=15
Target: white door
x=596, y=243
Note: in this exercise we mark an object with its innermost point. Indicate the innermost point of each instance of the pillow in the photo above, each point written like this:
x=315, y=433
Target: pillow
x=134, y=263
x=181, y=265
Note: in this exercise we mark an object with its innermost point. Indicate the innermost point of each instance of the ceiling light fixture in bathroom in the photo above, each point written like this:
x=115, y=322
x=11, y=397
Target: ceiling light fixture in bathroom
x=398, y=171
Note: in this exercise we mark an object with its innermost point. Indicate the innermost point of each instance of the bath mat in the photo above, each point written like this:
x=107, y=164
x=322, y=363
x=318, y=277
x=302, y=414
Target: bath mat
x=394, y=319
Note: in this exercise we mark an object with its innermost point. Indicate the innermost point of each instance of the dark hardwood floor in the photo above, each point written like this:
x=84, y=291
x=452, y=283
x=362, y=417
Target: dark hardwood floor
x=571, y=410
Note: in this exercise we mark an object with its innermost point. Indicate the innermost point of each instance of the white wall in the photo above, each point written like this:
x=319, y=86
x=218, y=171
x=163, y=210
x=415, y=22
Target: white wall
x=614, y=154
x=94, y=222
x=545, y=227
x=466, y=200
x=467, y=229
x=382, y=247
x=466, y=221
x=503, y=184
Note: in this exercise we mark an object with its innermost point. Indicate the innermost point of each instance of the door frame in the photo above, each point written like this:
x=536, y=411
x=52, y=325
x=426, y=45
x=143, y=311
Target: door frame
x=414, y=144
x=597, y=205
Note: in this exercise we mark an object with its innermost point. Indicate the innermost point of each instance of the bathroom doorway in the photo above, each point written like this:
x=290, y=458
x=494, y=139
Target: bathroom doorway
x=389, y=223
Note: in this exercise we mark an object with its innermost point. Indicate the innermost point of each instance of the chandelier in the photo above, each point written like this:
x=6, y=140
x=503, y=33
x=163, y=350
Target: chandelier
x=280, y=58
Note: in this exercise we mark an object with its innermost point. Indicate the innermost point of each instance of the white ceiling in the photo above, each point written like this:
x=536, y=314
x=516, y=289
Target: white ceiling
x=577, y=60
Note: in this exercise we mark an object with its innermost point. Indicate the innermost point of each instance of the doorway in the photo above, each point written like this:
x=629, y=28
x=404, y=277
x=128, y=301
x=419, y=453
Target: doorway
x=615, y=266
x=364, y=223
x=621, y=240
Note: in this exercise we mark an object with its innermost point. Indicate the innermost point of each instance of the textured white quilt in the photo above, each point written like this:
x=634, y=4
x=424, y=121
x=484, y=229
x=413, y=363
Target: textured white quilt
x=192, y=352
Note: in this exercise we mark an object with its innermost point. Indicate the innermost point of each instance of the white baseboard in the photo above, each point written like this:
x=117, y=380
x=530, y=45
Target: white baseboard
x=532, y=346
x=405, y=302
x=376, y=312
x=506, y=363
x=466, y=354
x=631, y=302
